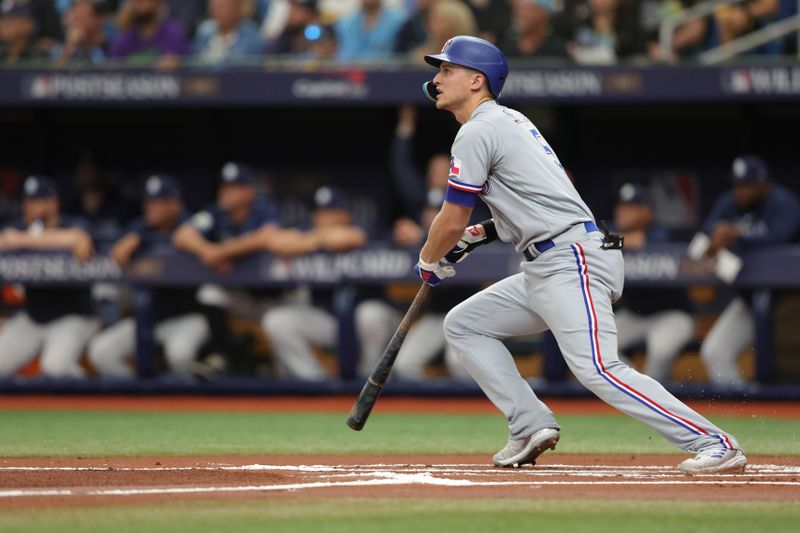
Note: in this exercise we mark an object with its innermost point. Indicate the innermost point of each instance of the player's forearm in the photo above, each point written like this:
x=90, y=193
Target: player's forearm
x=124, y=248
x=247, y=244
x=442, y=237
x=52, y=239
x=762, y=8
x=348, y=238
x=689, y=35
x=291, y=242
x=188, y=239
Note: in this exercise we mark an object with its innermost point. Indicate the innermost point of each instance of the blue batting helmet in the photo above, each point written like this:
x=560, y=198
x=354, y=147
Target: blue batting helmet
x=477, y=54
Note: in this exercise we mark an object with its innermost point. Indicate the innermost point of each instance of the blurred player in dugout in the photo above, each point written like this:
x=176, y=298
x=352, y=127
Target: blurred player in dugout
x=56, y=321
x=179, y=326
x=421, y=196
x=756, y=212
x=659, y=318
x=293, y=330
x=238, y=225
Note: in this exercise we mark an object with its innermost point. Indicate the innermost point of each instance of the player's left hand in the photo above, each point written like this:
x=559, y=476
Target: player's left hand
x=434, y=273
x=473, y=236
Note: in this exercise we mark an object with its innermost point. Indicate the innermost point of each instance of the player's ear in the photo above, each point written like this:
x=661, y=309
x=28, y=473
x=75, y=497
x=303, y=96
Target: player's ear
x=479, y=81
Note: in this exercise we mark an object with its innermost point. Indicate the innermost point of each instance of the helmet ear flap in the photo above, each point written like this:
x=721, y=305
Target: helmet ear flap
x=430, y=91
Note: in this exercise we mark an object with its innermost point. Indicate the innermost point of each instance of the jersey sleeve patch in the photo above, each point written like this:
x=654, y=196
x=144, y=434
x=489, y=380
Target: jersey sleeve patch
x=202, y=221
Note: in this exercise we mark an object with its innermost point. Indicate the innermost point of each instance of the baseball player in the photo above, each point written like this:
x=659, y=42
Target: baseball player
x=756, y=212
x=658, y=317
x=179, y=327
x=56, y=321
x=570, y=276
x=293, y=329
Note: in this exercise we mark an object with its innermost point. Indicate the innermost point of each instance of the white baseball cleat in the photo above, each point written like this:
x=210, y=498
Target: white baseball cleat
x=714, y=461
x=525, y=451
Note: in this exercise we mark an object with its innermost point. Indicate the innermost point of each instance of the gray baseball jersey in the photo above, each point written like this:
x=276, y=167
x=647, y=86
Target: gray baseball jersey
x=502, y=156
x=567, y=288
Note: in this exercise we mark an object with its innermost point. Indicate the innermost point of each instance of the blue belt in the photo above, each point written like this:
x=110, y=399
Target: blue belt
x=543, y=246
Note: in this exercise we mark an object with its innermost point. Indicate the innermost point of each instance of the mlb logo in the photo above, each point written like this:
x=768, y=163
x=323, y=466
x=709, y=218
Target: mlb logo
x=455, y=166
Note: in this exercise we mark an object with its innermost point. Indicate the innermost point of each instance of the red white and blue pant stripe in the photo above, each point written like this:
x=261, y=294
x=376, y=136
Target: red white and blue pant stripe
x=597, y=359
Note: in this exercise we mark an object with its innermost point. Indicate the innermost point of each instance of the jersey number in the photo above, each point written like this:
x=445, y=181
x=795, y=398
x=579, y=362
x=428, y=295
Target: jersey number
x=547, y=150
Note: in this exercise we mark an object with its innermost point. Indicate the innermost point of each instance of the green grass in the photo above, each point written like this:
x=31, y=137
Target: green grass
x=68, y=433
x=387, y=516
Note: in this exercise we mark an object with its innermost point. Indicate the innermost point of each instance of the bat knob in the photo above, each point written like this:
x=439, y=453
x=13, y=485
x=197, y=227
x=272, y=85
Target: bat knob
x=355, y=423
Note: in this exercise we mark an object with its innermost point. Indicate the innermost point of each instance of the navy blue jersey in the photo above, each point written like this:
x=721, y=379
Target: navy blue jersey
x=150, y=237
x=216, y=226
x=45, y=304
x=168, y=302
x=776, y=220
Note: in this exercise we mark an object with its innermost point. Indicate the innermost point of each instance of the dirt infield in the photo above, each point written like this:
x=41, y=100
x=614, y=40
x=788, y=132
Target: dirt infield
x=47, y=481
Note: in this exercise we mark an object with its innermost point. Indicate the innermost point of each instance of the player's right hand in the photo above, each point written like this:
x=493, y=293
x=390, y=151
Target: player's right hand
x=434, y=273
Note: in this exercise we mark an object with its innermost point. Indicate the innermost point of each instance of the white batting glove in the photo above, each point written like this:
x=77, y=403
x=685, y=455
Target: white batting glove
x=434, y=273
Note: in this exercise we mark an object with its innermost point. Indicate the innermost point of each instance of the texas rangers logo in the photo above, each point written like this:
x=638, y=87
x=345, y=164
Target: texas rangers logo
x=455, y=166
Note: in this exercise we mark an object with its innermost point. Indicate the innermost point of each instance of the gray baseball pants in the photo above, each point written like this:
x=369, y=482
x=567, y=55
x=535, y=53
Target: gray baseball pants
x=568, y=289
x=60, y=342
x=181, y=336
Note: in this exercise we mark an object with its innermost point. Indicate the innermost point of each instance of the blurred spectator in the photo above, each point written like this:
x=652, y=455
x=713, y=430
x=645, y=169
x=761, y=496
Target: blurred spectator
x=301, y=31
x=687, y=39
x=446, y=19
x=323, y=44
x=294, y=329
x=735, y=20
x=611, y=32
x=273, y=15
x=756, y=212
x=148, y=36
x=227, y=36
x=189, y=13
x=493, y=17
x=369, y=33
x=17, y=30
x=659, y=318
x=533, y=33
x=98, y=201
x=414, y=32
x=56, y=321
x=85, y=41
x=376, y=319
x=49, y=30
x=179, y=326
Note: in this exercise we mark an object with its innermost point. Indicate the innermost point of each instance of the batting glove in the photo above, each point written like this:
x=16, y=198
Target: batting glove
x=473, y=236
x=434, y=273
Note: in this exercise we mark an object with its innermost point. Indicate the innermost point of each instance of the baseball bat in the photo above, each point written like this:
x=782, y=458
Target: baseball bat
x=374, y=385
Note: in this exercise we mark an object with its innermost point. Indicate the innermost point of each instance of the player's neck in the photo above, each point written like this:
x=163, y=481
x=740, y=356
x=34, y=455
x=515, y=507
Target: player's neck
x=465, y=112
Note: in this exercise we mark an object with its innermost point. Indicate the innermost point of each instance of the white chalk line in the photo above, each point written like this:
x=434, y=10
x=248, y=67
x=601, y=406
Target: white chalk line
x=542, y=470
x=391, y=478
